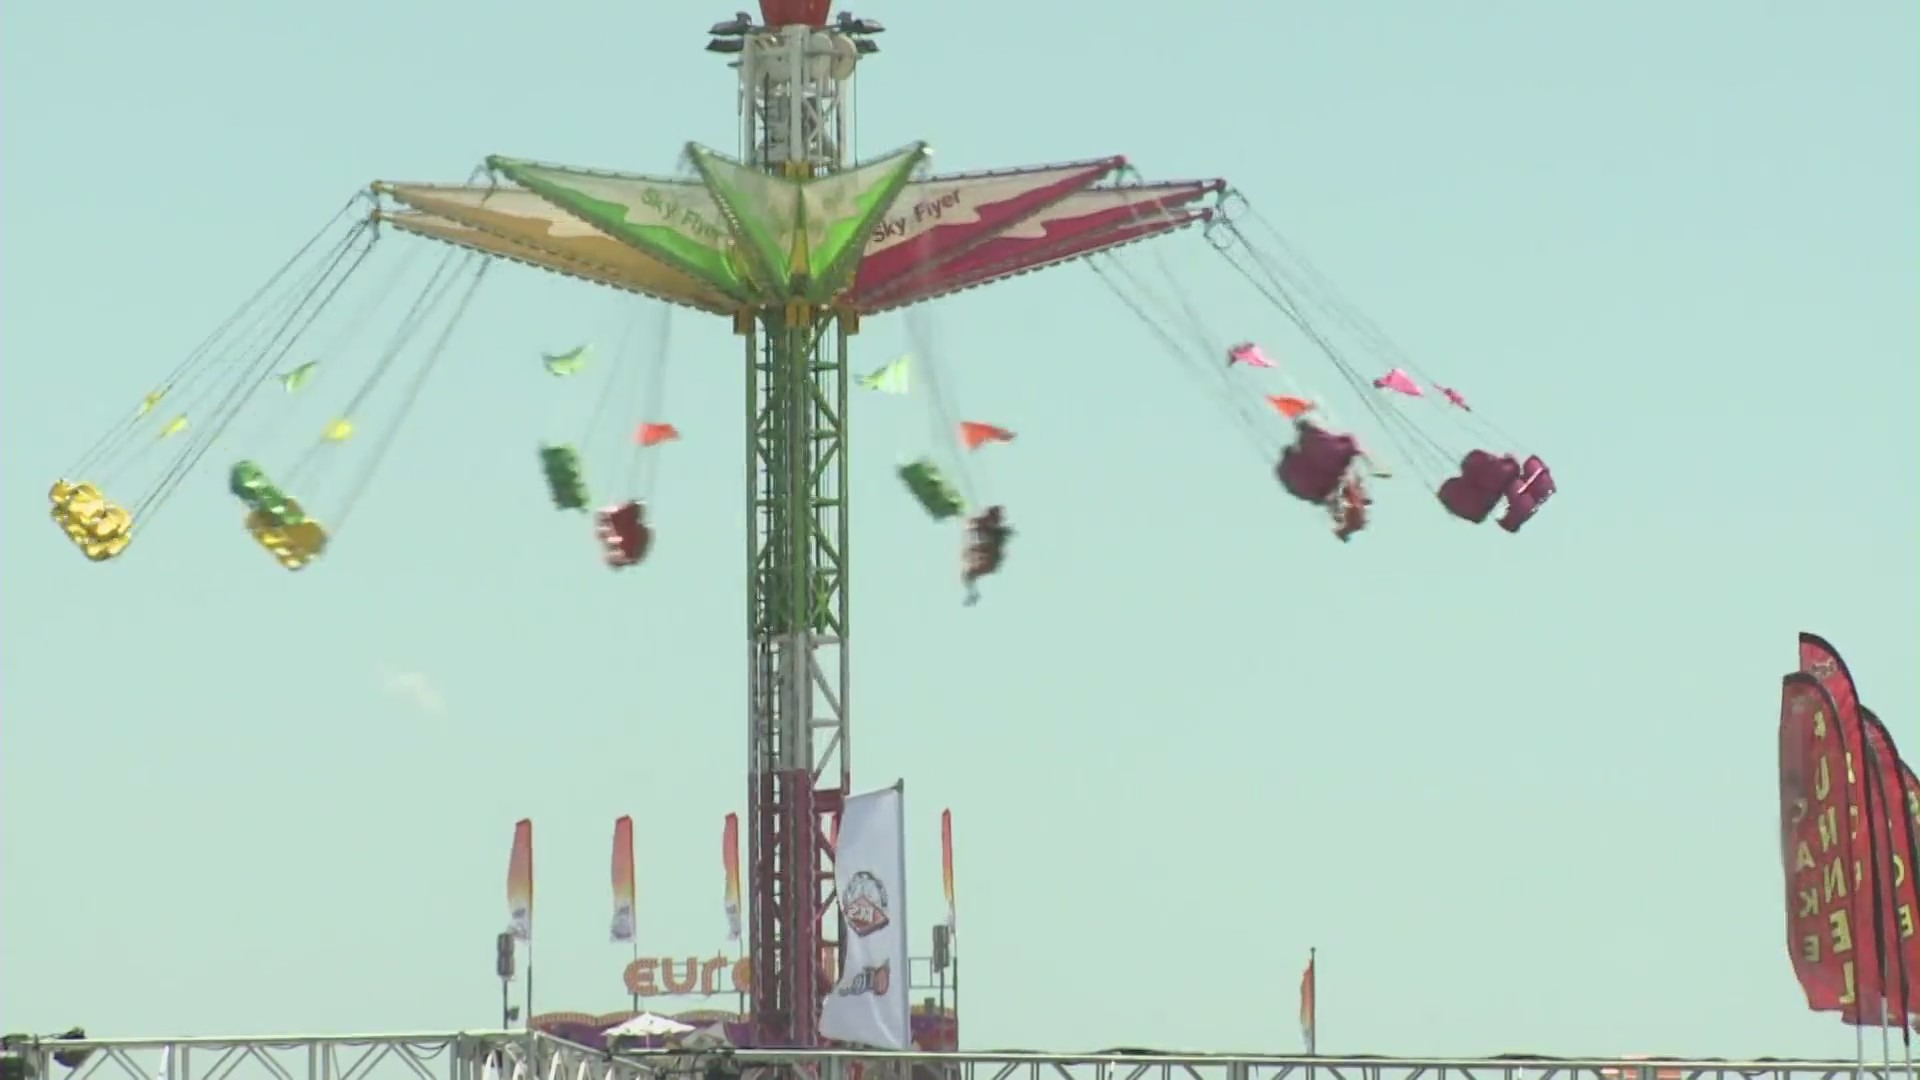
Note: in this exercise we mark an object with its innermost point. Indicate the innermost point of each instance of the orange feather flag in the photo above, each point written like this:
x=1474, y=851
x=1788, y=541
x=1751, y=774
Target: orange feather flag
x=730, y=864
x=1292, y=408
x=623, y=893
x=946, y=862
x=520, y=882
x=1309, y=1016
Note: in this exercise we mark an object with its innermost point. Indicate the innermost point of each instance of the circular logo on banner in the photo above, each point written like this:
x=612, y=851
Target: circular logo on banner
x=864, y=904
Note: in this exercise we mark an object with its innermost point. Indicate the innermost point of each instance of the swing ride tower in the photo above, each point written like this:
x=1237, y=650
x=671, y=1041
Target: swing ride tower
x=795, y=121
x=795, y=243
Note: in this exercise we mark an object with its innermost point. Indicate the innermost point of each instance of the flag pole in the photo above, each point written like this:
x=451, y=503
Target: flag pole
x=1313, y=1002
x=1310, y=1009
x=636, y=959
x=900, y=853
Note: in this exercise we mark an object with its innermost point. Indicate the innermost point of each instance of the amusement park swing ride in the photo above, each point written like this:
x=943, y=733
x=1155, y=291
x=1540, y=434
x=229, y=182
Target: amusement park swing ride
x=796, y=245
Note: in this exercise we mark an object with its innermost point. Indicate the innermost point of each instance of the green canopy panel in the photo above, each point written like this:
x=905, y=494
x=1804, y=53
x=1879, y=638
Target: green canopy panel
x=803, y=238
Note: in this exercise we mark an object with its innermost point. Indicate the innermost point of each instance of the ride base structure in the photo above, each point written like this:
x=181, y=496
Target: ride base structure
x=517, y=1055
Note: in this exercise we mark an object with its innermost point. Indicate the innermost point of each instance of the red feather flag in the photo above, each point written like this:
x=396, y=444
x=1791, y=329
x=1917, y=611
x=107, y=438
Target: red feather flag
x=655, y=434
x=1848, y=832
x=1814, y=849
x=974, y=435
x=1891, y=983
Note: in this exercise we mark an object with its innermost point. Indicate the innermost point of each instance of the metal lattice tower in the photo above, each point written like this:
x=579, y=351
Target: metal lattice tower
x=794, y=122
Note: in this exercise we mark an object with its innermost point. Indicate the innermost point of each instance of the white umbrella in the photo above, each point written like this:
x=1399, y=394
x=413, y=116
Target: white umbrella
x=649, y=1026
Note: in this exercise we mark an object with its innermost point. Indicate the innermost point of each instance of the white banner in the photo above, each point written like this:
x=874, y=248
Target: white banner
x=872, y=1005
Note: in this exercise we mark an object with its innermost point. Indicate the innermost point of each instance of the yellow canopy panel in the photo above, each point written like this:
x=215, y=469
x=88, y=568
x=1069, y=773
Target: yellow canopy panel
x=519, y=225
x=641, y=275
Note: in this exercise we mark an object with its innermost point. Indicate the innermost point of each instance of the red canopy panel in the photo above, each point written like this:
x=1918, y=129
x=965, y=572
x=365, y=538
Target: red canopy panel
x=1073, y=227
x=942, y=217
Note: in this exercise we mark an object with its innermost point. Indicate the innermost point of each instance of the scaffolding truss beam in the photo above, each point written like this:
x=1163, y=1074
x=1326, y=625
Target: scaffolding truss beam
x=519, y=1055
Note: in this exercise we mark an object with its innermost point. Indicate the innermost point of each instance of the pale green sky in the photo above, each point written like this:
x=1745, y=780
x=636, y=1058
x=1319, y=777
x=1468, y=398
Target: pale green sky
x=1519, y=792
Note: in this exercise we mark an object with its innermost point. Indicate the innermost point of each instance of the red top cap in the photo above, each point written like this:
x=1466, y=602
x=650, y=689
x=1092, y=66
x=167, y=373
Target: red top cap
x=779, y=13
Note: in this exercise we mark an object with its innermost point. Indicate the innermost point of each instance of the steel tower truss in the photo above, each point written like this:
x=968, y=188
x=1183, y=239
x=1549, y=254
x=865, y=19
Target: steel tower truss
x=794, y=122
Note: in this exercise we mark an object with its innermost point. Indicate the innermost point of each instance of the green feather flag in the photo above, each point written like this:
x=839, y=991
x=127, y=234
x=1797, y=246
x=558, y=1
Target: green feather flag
x=293, y=380
x=566, y=363
x=892, y=379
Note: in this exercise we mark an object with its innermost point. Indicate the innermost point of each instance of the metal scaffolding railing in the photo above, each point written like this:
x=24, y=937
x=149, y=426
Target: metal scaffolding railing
x=524, y=1056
